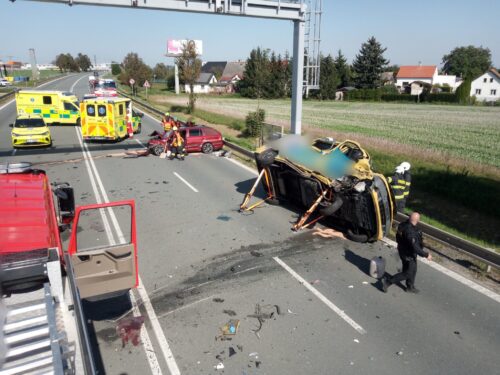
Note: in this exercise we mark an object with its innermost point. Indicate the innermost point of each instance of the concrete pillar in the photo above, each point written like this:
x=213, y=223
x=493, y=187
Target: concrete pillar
x=177, y=88
x=297, y=76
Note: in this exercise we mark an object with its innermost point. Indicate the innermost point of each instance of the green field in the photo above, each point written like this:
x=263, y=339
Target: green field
x=468, y=133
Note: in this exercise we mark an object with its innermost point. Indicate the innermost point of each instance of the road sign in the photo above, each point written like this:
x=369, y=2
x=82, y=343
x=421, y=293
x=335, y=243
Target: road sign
x=131, y=81
x=146, y=84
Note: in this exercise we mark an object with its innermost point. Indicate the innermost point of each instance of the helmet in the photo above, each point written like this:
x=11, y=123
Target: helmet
x=405, y=166
x=175, y=128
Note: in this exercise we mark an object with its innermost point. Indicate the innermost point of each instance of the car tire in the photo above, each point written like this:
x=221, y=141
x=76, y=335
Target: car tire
x=207, y=148
x=331, y=208
x=157, y=150
x=266, y=157
x=350, y=235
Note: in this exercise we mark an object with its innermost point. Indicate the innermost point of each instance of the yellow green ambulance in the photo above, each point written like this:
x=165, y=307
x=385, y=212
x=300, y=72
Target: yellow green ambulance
x=55, y=107
x=105, y=118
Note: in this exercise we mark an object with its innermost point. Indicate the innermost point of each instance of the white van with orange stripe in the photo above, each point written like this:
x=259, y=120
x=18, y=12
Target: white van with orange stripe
x=106, y=119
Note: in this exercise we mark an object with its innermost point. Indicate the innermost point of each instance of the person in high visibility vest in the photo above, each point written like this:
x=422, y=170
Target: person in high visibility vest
x=177, y=144
x=399, y=185
x=167, y=122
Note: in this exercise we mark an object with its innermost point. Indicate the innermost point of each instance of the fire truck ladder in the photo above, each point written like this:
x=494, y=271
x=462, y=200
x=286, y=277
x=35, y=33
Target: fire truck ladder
x=35, y=338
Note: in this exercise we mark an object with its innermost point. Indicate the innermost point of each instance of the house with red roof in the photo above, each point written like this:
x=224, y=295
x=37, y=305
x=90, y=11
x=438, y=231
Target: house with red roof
x=424, y=75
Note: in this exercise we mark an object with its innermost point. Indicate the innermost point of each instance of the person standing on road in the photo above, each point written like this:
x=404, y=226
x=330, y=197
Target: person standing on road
x=399, y=185
x=410, y=245
x=177, y=144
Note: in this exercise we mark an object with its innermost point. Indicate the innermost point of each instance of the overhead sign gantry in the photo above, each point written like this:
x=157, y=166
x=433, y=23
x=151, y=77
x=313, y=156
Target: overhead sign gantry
x=291, y=10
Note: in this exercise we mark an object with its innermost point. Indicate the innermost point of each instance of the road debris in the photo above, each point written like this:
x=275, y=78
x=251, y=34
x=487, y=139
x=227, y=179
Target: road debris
x=356, y=341
x=254, y=354
x=129, y=330
x=399, y=353
x=231, y=351
x=314, y=282
x=230, y=328
x=219, y=366
x=240, y=347
x=351, y=286
x=256, y=253
x=229, y=312
x=218, y=300
x=291, y=312
x=262, y=313
x=136, y=154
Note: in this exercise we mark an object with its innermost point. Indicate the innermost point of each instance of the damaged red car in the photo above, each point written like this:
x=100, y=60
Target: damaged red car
x=196, y=139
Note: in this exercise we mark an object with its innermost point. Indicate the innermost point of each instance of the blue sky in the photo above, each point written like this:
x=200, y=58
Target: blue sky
x=412, y=31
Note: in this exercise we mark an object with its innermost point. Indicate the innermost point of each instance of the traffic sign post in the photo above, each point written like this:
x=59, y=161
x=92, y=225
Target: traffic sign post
x=132, y=82
x=147, y=86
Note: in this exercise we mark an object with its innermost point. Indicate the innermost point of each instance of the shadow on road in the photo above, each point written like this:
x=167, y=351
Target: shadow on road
x=362, y=263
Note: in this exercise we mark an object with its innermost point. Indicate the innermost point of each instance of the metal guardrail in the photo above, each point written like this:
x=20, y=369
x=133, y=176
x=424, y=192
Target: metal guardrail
x=480, y=253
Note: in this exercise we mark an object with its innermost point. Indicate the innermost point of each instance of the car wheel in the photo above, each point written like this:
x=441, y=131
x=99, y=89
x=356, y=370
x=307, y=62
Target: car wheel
x=330, y=208
x=350, y=235
x=79, y=122
x=157, y=150
x=207, y=148
x=266, y=157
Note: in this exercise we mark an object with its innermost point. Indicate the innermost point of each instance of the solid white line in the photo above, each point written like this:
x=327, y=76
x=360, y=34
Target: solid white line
x=321, y=297
x=74, y=84
x=240, y=164
x=187, y=183
x=148, y=346
x=471, y=284
x=43, y=84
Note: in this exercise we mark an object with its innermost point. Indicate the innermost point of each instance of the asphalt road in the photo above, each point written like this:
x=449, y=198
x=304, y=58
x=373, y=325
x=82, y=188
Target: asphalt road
x=203, y=263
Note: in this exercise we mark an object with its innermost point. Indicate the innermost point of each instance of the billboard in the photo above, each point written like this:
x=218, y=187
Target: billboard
x=175, y=46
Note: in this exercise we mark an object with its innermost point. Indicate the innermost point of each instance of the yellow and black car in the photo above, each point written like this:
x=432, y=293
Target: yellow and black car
x=332, y=180
x=30, y=131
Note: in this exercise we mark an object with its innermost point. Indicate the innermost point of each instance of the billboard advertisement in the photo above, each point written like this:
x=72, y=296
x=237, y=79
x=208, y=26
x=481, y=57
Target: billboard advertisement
x=175, y=46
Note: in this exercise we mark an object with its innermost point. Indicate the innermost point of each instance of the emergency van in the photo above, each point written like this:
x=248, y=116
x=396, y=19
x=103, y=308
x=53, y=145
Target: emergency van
x=56, y=107
x=106, y=119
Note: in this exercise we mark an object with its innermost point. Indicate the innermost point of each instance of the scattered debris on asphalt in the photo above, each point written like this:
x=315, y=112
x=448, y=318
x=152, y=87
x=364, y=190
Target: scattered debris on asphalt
x=231, y=351
x=291, y=312
x=229, y=312
x=365, y=283
x=240, y=347
x=136, y=154
x=351, y=286
x=254, y=354
x=262, y=313
x=218, y=300
x=129, y=330
x=230, y=328
x=256, y=253
x=399, y=353
x=356, y=341
x=219, y=366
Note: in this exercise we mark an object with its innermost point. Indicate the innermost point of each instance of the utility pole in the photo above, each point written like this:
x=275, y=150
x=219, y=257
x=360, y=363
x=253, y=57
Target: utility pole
x=34, y=68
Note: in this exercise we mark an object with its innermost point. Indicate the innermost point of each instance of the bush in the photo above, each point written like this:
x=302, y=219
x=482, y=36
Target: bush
x=363, y=94
x=254, y=122
x=463, y=92
x=442, y=97
x=236, y=125
x=115, y=69
x=399, y=98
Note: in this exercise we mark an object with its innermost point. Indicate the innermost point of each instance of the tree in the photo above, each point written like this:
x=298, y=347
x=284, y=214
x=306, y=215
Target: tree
x=463, y=92
x=257, y=74
x=161, y=71
x=134, y=67
x=467, y=62
x=277, y=77
x=83, y=62
x=343, y=70
x=115, y=68
x=66, y=63
x=369, y=63
x=189, y=70
x=328, y=78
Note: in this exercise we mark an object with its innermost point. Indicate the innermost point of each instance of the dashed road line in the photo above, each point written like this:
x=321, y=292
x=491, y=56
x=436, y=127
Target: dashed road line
x=321, y=297
x=187, y=183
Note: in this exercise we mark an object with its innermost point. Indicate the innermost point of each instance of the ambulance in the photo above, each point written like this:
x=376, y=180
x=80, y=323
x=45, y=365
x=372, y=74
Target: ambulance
x=105, y=119
x=55, y=107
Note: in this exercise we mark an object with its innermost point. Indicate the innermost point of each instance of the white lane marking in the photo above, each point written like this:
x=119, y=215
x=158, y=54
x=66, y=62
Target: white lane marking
x=187, y=183
x=43, y=84
x=148, y=346
x=240, y=164
x=321, y=297
x=74, y=84
x=142, y=144
x=461, y=279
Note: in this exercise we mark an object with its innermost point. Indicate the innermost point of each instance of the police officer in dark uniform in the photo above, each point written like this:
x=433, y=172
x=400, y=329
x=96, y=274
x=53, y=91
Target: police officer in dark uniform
x=410, y=244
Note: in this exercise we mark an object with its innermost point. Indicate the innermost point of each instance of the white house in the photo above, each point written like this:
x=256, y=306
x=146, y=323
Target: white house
x=203, y=84
x=487, y=86
x=424, y=74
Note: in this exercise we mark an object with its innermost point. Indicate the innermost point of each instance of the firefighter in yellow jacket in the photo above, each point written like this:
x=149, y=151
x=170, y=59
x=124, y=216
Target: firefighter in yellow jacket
x=177, y=145
x=167, y=122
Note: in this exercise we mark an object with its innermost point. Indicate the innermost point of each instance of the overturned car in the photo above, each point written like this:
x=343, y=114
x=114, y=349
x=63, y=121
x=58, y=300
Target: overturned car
x=332, y=180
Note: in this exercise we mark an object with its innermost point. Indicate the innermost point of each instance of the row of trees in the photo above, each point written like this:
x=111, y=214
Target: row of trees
x=67, y=63
x=268, y=75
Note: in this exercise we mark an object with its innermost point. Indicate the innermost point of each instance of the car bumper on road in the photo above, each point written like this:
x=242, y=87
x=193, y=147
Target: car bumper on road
x=30, y=141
